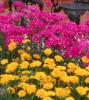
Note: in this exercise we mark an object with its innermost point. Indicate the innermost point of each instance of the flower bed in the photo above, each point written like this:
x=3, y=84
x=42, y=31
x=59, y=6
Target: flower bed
x=42, y=74
x=43, y=56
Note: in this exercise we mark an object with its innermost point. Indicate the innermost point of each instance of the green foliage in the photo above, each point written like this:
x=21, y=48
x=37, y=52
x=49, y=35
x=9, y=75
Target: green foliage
x=2, y=39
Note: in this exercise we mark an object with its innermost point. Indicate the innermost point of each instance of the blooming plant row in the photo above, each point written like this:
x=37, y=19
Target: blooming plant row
x=38, y=73
x=50, y=29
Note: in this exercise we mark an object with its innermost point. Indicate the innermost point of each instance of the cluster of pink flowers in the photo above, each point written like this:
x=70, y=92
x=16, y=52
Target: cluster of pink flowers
x=18, y=4
x=71, y=38
x=56, y=31
x=10, y=28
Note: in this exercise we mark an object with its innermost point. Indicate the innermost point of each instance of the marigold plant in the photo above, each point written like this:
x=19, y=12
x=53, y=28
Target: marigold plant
x=43, y=74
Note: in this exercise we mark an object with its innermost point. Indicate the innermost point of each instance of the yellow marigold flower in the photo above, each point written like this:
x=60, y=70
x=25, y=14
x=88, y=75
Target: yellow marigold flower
x=24, y=78
x=48, y=86
x=25, y=56
x=26, y=41
x=62, y=92
x=47, y=98
x=11, y=67
x=23, y=85
x=37, y=56
x=21, y=51
x=49, y=63
x=4, y=61
x=31, y=89
x=61, y=67
x=11, y=46
x=11, y=90
x=47, y=79
x=51, y=93
x=58, y=73
x=49, y=66
x=36, y=63
x=65, y=78
x=41, y=93
x=49, y=60
x=72, y=66
x=24, y=64
x=22, y=93
x=58, y=58
x=87, y=80
x=85, y=59
x=70, y=98
x=47, y=51
x=40, y=76
x=82, y=90
x=81, y=72
x=74, y=79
